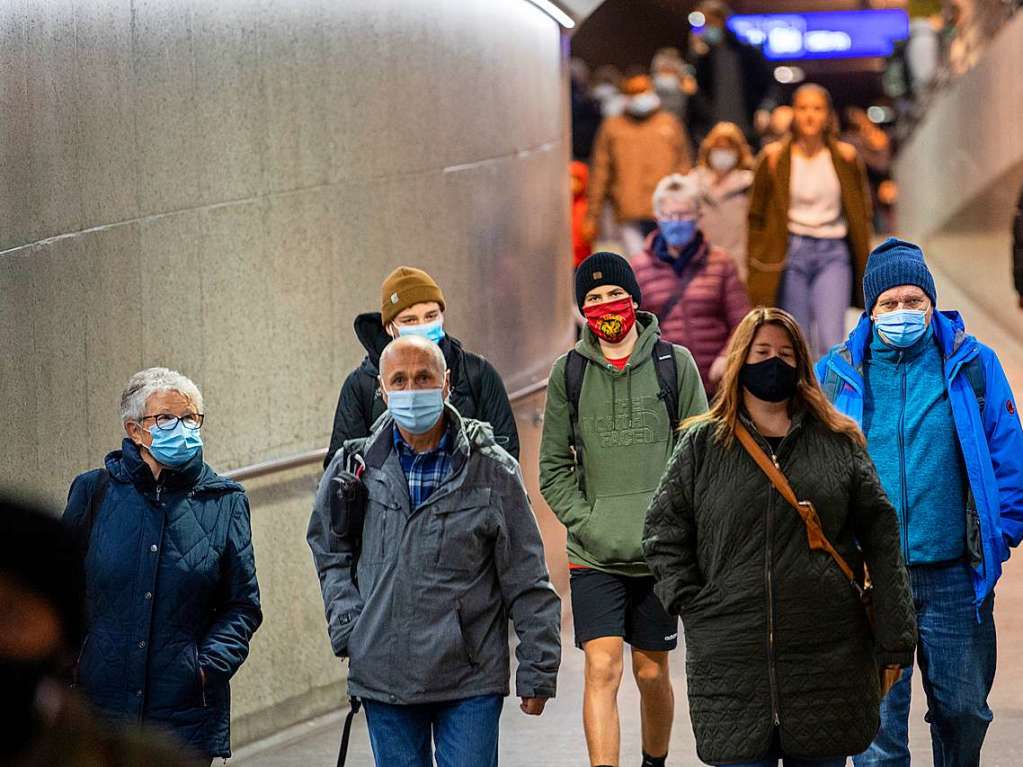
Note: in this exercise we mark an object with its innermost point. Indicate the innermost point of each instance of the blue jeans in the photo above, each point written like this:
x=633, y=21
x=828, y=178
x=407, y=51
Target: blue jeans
x=776, y=754
x=463, y=731
x=956, y=656
x=816, y=289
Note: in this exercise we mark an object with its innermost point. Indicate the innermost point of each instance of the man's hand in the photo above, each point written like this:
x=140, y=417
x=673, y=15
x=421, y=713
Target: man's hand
x=533, y=706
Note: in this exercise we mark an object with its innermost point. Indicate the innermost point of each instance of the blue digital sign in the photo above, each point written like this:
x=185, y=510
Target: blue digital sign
x=823, y=35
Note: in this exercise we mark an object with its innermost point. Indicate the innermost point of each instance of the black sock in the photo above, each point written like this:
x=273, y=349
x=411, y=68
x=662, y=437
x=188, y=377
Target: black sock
x=653, y=761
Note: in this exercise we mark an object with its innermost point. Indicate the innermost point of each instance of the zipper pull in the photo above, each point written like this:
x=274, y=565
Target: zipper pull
x=774, y=459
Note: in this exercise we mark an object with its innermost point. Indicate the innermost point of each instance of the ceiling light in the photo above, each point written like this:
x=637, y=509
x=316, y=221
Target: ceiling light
x=697, y=19
x=554, y=12
x=789, y=75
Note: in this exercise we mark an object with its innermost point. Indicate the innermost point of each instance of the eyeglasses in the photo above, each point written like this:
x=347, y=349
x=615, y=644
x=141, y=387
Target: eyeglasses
x=168, y=422
x=687, y=216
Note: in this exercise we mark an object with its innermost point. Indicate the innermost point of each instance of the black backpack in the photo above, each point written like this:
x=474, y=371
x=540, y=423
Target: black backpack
x=667, y=377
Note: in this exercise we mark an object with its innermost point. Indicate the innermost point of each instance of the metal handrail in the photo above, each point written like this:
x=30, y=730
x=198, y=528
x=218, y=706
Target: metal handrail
x=277, y=465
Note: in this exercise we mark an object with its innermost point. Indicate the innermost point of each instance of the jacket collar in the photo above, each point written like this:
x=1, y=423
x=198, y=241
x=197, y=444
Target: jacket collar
x=126, y=465
x=380, y=444
x=695, y=252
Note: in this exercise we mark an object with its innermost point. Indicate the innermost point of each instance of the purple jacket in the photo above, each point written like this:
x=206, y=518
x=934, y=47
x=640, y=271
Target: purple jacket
x=712, y=300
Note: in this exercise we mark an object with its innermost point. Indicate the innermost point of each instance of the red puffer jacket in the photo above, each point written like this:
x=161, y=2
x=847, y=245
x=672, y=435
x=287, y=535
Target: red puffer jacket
x=698, y=309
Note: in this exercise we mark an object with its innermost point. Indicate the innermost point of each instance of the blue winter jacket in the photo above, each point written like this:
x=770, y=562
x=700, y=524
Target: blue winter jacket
x=171, y=585
x=991, y=441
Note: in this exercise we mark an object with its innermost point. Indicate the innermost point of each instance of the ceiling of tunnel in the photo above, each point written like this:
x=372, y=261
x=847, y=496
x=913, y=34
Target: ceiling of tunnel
x=628, y=32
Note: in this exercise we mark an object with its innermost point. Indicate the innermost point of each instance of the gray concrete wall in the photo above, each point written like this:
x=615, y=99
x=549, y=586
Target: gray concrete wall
x=220, y=188
x=960, y=177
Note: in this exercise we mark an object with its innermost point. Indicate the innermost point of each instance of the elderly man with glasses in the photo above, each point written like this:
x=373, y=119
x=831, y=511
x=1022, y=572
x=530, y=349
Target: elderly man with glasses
x=171, y=584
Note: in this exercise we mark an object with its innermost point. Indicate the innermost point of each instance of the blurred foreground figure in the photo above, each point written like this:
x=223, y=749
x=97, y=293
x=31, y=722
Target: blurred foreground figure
x=42, y=621
x=172, y=593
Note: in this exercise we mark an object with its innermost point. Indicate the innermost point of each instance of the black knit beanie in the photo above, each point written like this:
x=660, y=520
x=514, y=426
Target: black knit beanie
x=605, y=268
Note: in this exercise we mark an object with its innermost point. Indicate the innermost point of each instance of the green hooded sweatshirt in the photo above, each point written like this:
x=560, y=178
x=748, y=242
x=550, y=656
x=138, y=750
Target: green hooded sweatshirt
x=625, y=443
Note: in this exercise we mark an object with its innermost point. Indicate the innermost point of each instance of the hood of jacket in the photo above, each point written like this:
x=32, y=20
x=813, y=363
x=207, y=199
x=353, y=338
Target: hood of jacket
x=126, y=466
x=369, y=329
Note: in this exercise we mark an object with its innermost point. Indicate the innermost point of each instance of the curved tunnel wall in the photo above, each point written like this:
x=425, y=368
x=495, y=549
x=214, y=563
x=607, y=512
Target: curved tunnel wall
x=220, y=188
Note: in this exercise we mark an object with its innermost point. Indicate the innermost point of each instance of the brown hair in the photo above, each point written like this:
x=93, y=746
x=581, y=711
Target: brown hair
x=734, y=136
x=728, y=402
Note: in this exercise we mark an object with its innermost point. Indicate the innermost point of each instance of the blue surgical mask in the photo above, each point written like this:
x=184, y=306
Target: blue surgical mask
x=416, y=410
x=678, y=234
x=175, y=447
x=901, y=328
x=431, y=330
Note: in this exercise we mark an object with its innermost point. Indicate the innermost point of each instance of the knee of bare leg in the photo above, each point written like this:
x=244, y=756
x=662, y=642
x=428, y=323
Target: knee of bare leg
x=603, y=668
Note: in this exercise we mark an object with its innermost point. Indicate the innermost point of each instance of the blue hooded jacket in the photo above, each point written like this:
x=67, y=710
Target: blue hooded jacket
x=991, y=441
x=171, y=589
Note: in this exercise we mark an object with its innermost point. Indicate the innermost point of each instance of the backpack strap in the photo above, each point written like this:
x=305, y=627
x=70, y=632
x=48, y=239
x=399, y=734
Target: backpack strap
x=83, y=532
x=472, y=366
x=667, y=378
x=575, y=369
x=974, y=372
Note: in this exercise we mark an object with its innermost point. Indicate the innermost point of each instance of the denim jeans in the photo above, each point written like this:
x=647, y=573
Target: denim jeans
x=789, y=761
x=816, y=289
x=464, y=732
x=956, y=656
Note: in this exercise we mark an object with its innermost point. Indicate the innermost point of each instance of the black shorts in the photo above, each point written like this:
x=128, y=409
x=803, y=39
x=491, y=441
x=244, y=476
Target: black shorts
x=608, y=605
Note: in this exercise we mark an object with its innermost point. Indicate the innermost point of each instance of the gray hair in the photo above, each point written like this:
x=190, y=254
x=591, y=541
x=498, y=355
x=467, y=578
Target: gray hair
x=420, y=342
x=677, y=187
x=148, y=382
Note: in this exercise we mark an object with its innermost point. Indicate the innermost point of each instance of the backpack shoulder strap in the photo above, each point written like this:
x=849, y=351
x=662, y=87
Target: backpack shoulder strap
x=974, y=372
x=99, y=491
x=472, y=365
x=667, y=378
x=575, y=369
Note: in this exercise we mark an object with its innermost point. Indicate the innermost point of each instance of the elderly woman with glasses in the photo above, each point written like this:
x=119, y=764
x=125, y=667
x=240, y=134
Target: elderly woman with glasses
x=170, y=575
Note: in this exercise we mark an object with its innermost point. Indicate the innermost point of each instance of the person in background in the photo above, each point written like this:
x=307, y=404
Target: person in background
x=1017, y=250
x=607, y=90
x=809, y=223
x=735, y=82
x=586, y=114
x=944, y=433
x=781, y=660
x=411, y=303
x=724, y=171
x=690, y=285
x=42, y=624
x=778, y=126
x=632, y=153
x=607, y=434
x=172, y=595
x=419, y=595
x=581, y=247
x=875, y=148
x=672, y=81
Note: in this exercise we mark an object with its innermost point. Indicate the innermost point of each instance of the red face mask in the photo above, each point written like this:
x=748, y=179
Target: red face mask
x=611, y=321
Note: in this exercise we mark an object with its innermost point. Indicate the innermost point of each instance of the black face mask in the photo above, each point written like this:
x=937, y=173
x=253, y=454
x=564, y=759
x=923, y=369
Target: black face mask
x=19, y=681
x=773, y=380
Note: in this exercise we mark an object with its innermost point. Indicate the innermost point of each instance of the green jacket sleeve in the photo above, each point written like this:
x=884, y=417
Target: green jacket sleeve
x=692, y=398
x=559, y=483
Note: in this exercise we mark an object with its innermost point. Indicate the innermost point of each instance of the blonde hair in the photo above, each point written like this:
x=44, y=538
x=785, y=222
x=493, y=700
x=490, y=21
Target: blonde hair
x=728, y=402
x=731, y=133
x=677, y=187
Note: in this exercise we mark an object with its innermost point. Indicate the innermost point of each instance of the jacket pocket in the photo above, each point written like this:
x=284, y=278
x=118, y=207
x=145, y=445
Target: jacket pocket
x=200, y=680
x=613, y=531
x=462, y=531
x=470, y=651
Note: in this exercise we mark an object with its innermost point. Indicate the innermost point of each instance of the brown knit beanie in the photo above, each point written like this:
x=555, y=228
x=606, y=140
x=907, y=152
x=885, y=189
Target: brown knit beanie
x=404, y=287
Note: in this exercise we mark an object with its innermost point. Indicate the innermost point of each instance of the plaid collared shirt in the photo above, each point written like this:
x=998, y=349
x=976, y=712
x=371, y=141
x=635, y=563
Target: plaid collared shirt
x=424, y=471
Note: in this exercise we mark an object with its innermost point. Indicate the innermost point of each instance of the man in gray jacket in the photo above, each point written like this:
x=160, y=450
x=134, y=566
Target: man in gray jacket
x=449, y=551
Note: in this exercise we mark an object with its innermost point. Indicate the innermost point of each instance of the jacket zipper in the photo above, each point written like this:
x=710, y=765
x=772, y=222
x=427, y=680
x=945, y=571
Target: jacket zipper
x=769, y=576
x=904, y=532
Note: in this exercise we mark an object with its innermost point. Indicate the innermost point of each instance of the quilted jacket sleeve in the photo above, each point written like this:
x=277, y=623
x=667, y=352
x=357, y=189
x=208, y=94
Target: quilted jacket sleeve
x=333, y=555
x=669, y=534
x=876, y=527
x=531, y=601
x=226, y=645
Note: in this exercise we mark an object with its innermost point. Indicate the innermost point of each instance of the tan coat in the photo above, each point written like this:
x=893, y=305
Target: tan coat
x=769, y=217
x=629, y=157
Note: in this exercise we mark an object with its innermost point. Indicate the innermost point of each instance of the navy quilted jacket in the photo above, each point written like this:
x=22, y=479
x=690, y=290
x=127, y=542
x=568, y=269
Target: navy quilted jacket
x=172, y=589
x=776, y=638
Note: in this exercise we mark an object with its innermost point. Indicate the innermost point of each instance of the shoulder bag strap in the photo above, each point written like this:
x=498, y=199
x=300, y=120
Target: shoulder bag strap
x=814, y=532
